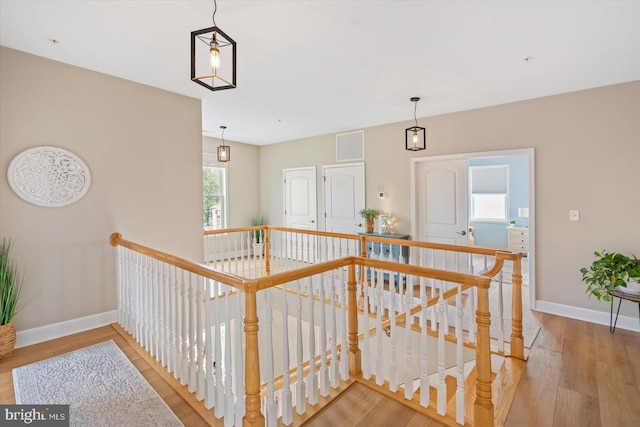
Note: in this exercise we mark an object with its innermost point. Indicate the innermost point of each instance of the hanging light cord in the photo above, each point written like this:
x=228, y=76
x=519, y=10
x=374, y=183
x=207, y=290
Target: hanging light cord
x=415, y=108
x=215, y=9
x=223, y=129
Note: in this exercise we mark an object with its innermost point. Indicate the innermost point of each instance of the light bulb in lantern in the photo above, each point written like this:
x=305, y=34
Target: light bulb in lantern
x=415, y=138
x=214, y=54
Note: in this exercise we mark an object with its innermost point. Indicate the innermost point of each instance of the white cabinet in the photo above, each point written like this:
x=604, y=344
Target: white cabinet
x=518, y=239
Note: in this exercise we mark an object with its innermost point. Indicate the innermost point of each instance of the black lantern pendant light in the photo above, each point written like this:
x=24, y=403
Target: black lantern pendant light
x=213, y=57
x=224, y=151
x=415, y=138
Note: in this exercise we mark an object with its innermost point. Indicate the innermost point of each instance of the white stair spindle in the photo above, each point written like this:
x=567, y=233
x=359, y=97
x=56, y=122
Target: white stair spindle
x=366, y=363
x=393, y=365
x=271, y=414
x=460, y=398
x=324, y=373
x=219, y=395
x=312, y=380
x=228, y=362
x=334, y=366
x=287, y=405
x=193, y=333
x=185, y=328
x=344, y=358
x=379, y=331
x=200, y=373
x=441, y=387
x=433, y=286
x=301, y=400
x=209, y=390
x=408, y=372
x=424, y=346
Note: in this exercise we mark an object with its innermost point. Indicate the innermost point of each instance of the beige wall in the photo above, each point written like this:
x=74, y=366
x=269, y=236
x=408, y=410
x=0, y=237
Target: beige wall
x=243, y=178
x=144, y=149
x=587, y=149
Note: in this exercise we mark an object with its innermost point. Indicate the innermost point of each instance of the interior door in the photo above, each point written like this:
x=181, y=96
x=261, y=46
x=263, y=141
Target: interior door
x=442, y=201
x=300, y=212
x=344, y=197
x=300, y=198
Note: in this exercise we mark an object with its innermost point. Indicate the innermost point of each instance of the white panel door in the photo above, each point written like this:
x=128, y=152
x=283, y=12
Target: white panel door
x=442, y=210
x=442, y=201
x=300, y=198
x=344, y=197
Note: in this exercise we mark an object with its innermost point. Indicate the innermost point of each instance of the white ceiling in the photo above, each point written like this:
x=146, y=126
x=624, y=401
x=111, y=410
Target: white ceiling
x=314, y=67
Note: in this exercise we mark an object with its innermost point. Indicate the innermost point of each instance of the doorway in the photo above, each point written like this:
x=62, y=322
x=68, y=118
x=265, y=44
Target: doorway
x=440, y=199
x=343, y=197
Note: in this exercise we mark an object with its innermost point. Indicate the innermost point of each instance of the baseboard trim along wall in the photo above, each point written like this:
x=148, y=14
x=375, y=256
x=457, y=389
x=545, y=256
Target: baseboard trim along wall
x=61, y=329
x=588, y=315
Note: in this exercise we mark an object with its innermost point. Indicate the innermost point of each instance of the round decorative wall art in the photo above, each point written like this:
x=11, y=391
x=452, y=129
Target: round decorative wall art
x=49, y=176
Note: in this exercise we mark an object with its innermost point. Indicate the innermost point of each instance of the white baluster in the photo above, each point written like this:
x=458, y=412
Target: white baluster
x=193, y=333
x=184, y=380
x=270, y=409
x=408, y=371
x=471, y=310
x=441, y=387
x=334, y=366
x=200, y=373
x=228, y=362
x=366, y=364
x=379, y=332
x=459, y=359
x=301, y=401
x=344, y=358
x=312, y=380
x=287, y=405
x=239, y=361
x=393, y=365
x=162, y=286
x=173, y=321
x=424, y=351
x=433, y=291
x=324, y=373
x=219, y=395
x=209, y=390
x=500, y=313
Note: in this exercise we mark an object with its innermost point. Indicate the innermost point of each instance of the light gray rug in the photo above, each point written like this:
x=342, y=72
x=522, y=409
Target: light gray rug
x=100, y=384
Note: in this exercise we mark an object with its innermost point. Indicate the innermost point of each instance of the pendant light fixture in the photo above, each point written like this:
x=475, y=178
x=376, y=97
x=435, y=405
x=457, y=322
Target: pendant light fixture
x=213, y=57
x=415, y=138
x=224, y=151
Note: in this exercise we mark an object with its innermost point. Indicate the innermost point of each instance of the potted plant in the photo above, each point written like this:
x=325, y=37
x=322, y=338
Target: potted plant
x=369, y=215
x=612, y=270
x=257, y=239
x=10, y=287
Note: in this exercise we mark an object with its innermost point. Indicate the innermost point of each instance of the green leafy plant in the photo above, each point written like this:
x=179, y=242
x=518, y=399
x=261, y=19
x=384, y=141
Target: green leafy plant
x=10, y=284
x=257, y=234
x=608, y=271
x=369, y=213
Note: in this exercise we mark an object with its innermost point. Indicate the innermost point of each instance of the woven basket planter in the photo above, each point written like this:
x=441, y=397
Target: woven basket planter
x=7, y=340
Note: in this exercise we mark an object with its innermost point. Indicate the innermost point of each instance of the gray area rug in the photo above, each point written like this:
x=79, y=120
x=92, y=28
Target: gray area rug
x=100, y=384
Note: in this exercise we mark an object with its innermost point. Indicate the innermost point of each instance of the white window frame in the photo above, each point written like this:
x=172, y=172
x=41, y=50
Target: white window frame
x=211, y=160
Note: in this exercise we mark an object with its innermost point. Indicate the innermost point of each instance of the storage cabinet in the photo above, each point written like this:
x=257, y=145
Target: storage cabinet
x=518, y=239
x=386, y=251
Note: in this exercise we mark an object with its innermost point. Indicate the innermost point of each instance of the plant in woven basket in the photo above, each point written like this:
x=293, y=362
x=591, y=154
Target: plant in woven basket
x=369, y=215
x=10, y=287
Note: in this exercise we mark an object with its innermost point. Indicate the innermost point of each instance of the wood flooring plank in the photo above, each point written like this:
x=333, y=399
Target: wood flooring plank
x=349, y=408
x=535, y=400
x=575, y=409
x=618, y=396
x=552, y=332
x=420, y=420
x=387, y=413
x=578, y=372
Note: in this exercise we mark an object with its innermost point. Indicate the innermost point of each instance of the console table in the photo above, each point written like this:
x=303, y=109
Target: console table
x=386, y=251
x=621, y=295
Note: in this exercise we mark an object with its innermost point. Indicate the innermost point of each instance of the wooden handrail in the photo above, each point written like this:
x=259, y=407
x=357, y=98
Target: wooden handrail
x=202, y=270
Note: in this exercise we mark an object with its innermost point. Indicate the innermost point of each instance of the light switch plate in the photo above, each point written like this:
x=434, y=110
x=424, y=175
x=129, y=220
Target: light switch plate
x=574, y=215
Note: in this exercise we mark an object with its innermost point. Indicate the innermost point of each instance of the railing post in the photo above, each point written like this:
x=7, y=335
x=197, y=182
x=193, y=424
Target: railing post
x=483, y=406
x=517, y=340
x=253, y=416
x=267, y=253
x=355, y=365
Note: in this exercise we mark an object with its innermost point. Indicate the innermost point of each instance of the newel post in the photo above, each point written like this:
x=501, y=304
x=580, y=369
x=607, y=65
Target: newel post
x=355, y=365
x=267, y=254
x=253, y=417
x=483, y=406
x=517, y=340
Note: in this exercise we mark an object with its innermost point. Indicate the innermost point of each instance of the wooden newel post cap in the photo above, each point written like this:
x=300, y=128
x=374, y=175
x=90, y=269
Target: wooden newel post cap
x=115, y=238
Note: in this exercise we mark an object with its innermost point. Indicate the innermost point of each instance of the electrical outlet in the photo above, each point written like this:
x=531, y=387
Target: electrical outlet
x=574, y=215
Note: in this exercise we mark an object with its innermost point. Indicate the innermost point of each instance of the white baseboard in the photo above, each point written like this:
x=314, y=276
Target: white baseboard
x=68, y=327
x=588, y=315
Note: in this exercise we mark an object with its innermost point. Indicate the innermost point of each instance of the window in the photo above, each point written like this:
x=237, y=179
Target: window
x=214, y=201
x=489, y=193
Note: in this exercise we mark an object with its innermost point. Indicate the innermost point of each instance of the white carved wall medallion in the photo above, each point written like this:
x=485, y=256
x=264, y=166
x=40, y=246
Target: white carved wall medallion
x=49, y=176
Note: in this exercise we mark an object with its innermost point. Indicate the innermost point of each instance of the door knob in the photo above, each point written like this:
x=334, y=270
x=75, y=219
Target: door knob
x=312, y=221
x=359, y=225
x=462, y=233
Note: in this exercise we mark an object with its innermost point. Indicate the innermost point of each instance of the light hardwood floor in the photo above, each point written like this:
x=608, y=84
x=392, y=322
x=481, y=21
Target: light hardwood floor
x=578, y=374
